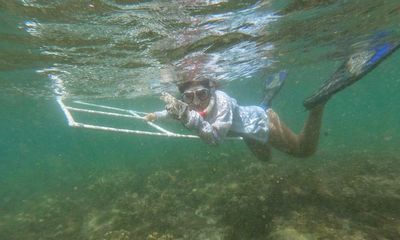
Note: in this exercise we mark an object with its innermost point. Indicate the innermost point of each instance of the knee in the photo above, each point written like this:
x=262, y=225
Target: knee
x=260, y=150
x=304, y=152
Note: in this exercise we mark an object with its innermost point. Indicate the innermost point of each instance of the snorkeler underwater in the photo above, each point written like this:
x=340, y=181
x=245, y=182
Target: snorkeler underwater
x=193, y=119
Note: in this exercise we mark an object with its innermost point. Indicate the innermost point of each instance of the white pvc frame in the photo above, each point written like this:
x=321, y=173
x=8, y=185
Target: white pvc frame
x=124, y=114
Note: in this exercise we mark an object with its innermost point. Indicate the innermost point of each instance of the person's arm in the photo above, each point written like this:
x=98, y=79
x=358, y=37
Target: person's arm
x=212, y=133
x=151, y=117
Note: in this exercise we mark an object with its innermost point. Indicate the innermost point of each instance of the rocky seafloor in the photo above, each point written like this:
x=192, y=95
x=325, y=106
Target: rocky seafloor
x=348, y=196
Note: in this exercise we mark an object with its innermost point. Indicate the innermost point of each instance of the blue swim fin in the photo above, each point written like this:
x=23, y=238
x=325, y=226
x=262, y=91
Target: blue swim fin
x=352, y=70
x=272, y=86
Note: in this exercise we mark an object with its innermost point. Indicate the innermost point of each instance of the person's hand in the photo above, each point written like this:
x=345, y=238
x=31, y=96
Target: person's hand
x=175, y=108
x=150, y=117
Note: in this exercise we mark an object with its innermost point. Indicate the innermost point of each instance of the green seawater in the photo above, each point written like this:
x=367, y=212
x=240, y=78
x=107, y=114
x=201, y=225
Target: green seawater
x=59, y=182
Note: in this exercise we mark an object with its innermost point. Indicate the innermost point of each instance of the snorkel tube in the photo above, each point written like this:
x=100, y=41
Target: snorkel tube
x=211, y=103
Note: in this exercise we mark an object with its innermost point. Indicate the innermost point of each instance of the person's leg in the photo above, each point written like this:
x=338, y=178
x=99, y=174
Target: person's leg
x=301, y=145
x=261, y=150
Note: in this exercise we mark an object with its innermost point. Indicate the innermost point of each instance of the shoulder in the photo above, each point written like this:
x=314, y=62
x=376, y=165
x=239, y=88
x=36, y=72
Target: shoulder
x=223, y=99
x=222, y=94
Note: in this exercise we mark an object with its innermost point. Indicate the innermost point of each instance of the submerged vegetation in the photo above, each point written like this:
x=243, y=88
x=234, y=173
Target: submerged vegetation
x=351, y=197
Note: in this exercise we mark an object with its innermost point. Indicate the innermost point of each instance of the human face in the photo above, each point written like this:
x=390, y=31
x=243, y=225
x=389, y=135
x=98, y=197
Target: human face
x=197, y=97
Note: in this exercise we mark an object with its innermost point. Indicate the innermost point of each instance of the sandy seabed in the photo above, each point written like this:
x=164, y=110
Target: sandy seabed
x=354, y=196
